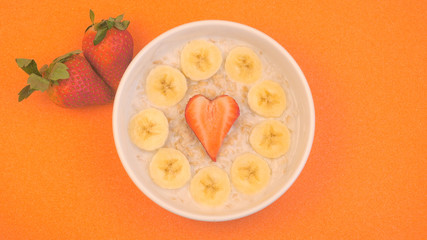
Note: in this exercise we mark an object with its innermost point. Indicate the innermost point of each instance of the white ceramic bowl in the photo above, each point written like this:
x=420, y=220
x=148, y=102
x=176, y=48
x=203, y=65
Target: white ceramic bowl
x=126, y=93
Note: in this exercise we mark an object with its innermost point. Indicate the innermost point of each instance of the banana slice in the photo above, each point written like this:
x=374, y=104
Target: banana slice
x=243, y=65
x=149, y=129
x=210, y=186
x=270, y=138
x=250, y=173
x=267, y=99
x=200, y=59
x=169, y=168
x=165, y=86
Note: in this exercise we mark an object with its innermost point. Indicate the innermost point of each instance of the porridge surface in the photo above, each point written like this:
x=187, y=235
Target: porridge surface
x=182, y=138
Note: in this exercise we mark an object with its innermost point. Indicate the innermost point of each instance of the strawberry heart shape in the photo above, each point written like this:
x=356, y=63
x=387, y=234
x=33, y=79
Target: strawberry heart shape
x=211, y=120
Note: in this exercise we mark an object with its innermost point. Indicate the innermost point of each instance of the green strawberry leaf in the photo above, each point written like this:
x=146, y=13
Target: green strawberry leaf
x=119, y=18
x=92, y=16
x=119, y=25
x=38, y=83
x=110, y=23
x=25, y=93
x=43, y=69
x=126, y=24
x=102, y=27
x=28, y=65
x=58, y=71
x=64, y=57
x=100, y=35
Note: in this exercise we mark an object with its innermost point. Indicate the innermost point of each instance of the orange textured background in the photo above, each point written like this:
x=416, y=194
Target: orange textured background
x=365, y=61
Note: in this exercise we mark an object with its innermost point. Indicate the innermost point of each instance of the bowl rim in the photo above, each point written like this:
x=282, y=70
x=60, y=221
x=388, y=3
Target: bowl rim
x=245, y=212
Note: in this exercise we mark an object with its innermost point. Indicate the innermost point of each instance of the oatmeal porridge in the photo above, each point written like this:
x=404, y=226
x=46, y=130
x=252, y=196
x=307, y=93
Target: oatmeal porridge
x=236, y=143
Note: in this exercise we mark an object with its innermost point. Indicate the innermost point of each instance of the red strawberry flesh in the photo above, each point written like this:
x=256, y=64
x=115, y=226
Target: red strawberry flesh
x=211, y=120
x=83, y=87
x=111, y=57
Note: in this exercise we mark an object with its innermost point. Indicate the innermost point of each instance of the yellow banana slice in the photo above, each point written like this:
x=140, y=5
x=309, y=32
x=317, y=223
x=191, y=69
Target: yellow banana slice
x=243, y=65
x=165, y=86
x=149, y=129
x=210, y=186
x=250, y=173
x=267, y=99
x=200, y=59
x=169, y=168
x=270, y=139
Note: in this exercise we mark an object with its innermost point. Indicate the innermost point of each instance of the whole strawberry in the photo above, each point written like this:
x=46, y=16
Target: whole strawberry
x=69, y=81
x=108, y=46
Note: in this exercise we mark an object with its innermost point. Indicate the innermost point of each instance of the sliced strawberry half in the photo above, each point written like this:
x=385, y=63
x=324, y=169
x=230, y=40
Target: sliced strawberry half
x=211, y=120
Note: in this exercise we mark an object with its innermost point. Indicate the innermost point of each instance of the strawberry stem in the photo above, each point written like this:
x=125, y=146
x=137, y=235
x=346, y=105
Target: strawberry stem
x=103, y=26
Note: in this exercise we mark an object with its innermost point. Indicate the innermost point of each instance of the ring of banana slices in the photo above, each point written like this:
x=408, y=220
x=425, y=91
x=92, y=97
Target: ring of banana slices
x=166, y=86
